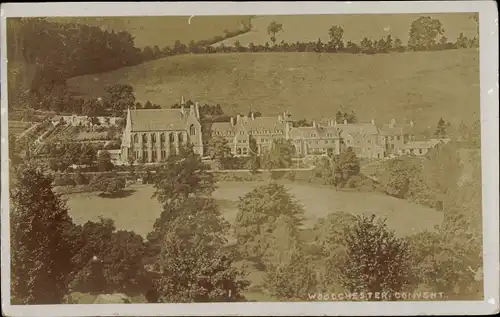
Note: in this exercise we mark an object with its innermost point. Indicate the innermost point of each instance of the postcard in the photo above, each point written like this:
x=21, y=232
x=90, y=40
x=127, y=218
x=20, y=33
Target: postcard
x=254, y=158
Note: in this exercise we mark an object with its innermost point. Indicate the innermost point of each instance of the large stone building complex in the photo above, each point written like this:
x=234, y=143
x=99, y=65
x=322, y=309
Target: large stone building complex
x=151, y=135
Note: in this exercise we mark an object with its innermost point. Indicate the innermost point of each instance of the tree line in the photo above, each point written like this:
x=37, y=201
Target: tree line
x=426, y=34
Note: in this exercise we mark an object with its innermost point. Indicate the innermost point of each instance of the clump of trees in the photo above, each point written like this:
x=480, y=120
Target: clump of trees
x=259, y=211
x=279, y=155
x=427, y=182
x=339, y=170
x=62, y=155
x=375, y=260
x=108, y=184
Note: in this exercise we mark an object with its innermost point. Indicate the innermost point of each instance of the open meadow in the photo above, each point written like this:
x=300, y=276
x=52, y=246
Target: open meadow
x=306, y=28
x=422, y=86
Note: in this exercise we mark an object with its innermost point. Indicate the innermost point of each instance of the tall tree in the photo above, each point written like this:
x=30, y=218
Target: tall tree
x=376, y=260
x=182, y=176
x=336, y=33
x=104, y=161
x=423, y=33
x=219, y=150
x=189, y=236
x=273, y=29
x=441, y=129
x=279, y=155
x=121, y=97
x=41, y=248
x=257, y=215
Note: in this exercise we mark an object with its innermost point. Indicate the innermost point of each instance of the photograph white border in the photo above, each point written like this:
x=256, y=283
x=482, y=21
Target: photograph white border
x=489, y=154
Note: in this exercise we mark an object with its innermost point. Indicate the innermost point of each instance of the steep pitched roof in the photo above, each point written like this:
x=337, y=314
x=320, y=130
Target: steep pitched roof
x=394, y=129
x=321, y=132
x=419, y=145
x=157, y=119
x=259, y=123
x=358, y=128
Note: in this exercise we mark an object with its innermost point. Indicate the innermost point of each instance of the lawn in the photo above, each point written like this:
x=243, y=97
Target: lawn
x=306, y=28
x=423, y=86
x=165, y=30
x=137, y=211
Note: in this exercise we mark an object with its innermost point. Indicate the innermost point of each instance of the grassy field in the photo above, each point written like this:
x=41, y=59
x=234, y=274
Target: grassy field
x=138, y=210
x=305, y=28
x=419, y=85
x=163, y=31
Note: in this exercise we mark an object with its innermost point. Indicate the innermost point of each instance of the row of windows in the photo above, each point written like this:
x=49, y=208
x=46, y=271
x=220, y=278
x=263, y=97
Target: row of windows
x=171, y=137
x=154, y=155
x=252, y=132
x=316, y=141
x=328, y=135
x=240, y=151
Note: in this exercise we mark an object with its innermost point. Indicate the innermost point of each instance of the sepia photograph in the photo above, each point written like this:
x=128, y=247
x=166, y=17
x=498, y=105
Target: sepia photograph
x=159, y=154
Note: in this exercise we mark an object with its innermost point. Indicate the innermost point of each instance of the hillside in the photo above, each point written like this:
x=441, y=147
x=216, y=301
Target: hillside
x=305, y=28
x=165, y=30
x=419, y=85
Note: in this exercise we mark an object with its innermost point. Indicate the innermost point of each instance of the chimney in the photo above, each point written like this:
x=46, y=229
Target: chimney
x=183, y=111
x=314, y=123
x=393, y=122
x=238, y=118
x=232, y=121
x=245, y=119
x=345, y=121
x=334, y=123
x=411, y=123
x=280, y=117
x=373, y=121
x=252, y=115
x=182, y=100
x=197, y=109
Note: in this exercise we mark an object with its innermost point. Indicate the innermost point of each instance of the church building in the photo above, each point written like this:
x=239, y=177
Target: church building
x=151, y=135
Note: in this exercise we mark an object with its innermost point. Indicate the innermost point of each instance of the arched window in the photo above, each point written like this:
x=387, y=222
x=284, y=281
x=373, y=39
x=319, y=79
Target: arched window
x=181, y=139
x=192, y=130
x=144, y=138
x=162, y=137
x=171, y=137
x=153, y=137
x=245, y=151
x=238, y=151
x=136, y=138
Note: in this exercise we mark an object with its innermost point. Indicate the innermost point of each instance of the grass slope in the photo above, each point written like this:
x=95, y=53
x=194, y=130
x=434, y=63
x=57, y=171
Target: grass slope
x=419, y=85
x=164, y=30
x=307, y=28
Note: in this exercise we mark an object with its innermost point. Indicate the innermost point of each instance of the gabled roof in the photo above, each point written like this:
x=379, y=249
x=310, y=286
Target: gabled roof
x=157, y=119
x=320, y=132
x=259, y=123
x=354, y=129
x=395, y=129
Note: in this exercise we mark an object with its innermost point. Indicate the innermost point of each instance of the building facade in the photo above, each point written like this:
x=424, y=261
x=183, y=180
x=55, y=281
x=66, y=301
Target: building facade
x=151, y=135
